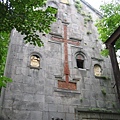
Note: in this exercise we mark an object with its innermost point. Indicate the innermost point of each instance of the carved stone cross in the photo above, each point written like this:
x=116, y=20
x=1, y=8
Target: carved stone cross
x=66, y=84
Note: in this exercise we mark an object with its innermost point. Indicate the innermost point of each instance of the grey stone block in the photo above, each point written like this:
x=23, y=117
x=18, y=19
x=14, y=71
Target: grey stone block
x=28, y=97
x=34, y=94
x=16, y=87
x=52, y=107
x=65, y=108
x=49, y=82
x=18, y=70
x=45, y=116
x=2, y=118
x=29, y=88
x=34, y=106
x=70, y=116
x=86, y=102
x=39, y=98
x=35, y=115
x=49, y=99
x=48, y=91
x=71, y=109
x=28, y=80
x=19, y=105
x=58, y=100
x=60, y=108
x=93, y=103
x=21, y=115
x=56, y=115
x=17, y=78
x=9, y=104
x=45, y=107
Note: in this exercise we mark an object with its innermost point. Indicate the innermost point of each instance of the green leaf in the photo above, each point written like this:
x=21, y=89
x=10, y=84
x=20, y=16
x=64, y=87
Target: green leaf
x=109, y=23
x=27, y=17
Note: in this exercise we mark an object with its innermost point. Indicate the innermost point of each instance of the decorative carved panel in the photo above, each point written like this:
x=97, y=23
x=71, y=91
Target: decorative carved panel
x=35, y=61
x=97, y=70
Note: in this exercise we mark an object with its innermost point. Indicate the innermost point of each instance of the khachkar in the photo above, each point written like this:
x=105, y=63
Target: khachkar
x=67, y=78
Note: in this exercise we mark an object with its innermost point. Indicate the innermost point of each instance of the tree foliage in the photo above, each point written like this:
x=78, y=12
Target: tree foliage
x=109, y=22
x=4, y=39
x=28, y=17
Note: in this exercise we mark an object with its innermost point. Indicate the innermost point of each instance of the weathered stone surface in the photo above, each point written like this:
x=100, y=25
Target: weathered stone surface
x=59, y=87
x=1, y=118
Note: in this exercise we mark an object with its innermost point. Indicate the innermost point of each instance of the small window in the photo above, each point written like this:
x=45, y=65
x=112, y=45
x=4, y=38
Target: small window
x=80, y=61
x=35, y=61
x=97, y=70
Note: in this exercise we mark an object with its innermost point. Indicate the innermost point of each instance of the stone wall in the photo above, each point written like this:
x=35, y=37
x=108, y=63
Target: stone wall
x=57, y=87
x=96, y=115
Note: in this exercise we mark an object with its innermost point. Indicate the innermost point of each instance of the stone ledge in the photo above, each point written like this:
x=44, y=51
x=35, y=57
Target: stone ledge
x=56, y=35
x=83, y=110
x=76, y=79
x=66, y=91
x=98, y=59
x=82, y=69
x=57, y=42
x=75, y=39
x=59, y=76
x=77, y=46
x=102, y=77
x=72, y=81
x=65, y=22
x=31, y=67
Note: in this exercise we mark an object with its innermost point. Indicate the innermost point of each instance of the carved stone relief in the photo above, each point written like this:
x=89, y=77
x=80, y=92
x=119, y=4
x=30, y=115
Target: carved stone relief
x=97, y=70
x=35, y=61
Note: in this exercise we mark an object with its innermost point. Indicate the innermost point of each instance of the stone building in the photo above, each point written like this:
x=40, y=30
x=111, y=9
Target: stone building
x=67, y=78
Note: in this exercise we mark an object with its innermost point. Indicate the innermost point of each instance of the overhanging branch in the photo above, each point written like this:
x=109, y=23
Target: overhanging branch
x=113, y=38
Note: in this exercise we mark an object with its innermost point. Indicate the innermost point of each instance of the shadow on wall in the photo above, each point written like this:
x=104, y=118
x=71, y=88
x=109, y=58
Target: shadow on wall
x=1, y=118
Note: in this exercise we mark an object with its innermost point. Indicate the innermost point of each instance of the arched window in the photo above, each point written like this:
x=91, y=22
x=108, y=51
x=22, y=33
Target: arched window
x=34, y=61
x=80, y=61
x=97, y=70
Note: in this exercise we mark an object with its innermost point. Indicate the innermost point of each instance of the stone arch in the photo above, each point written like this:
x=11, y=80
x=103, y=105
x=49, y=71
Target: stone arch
x=97, y=70
x=35, y=59
x=80, y=60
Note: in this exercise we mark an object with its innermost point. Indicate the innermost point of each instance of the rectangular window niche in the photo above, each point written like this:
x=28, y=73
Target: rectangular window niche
x=66, y=91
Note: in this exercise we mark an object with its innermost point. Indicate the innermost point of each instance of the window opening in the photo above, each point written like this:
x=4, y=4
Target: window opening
x=80, y=61
x=35, y=61
x=97, y=70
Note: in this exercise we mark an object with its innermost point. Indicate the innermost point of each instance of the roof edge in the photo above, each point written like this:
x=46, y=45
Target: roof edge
x=92, y=8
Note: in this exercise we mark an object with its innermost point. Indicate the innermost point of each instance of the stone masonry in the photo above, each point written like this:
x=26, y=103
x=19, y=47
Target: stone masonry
x=59, y=80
